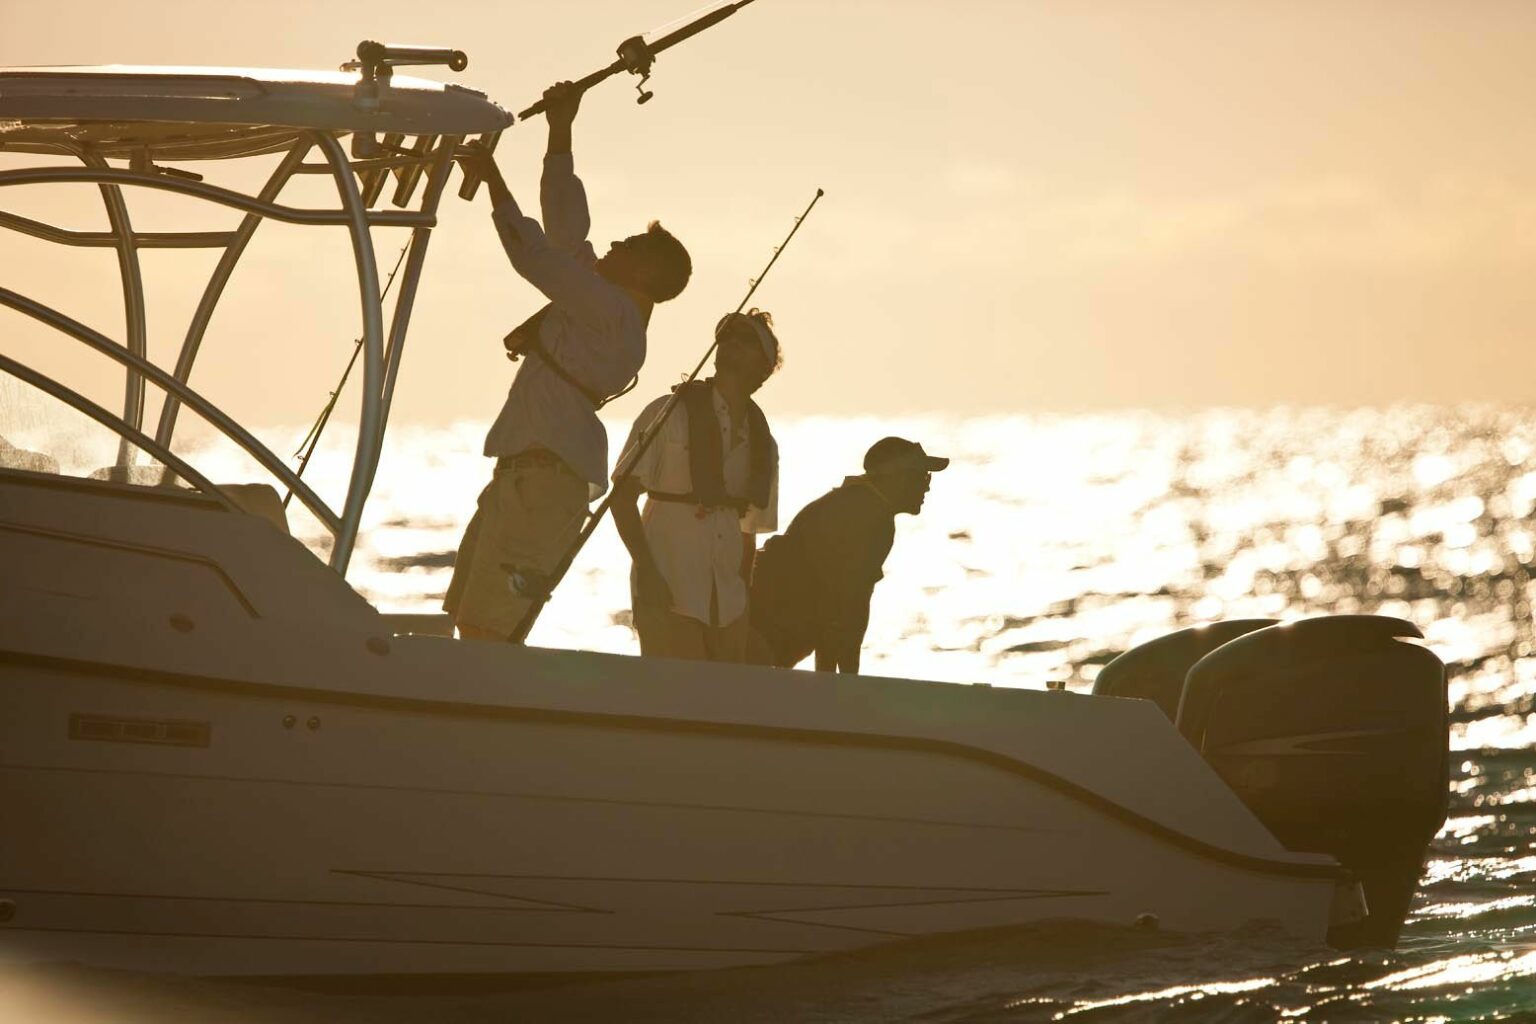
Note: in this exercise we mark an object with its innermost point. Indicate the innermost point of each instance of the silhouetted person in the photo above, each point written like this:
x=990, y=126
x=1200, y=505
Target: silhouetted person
x=812, y=585
x=711, y=476
x=550, y=448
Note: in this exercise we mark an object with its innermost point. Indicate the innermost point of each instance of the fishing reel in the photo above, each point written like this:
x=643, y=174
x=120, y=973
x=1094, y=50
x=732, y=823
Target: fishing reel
x=636, y=56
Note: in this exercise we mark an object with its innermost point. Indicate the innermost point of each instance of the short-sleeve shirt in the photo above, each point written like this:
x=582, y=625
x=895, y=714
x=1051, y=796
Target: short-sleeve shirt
x=824, y=568
x=698, y=550
x=593, y=330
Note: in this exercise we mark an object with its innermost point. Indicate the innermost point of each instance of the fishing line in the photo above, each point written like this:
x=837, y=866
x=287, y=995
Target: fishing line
x=312, y=439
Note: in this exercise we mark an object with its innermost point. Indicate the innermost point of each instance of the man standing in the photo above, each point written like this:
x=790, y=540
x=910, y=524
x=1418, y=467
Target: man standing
x=711, y=478
x=811, y=587
x=550, y=448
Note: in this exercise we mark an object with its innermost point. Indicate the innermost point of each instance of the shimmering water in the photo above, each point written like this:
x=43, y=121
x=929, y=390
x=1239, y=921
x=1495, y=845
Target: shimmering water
x=1049, y=546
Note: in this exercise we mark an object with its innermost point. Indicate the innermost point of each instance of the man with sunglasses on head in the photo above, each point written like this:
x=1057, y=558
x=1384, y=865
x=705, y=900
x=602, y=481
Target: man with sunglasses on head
x=711, y=478
x=812, y=586
x=583, y=347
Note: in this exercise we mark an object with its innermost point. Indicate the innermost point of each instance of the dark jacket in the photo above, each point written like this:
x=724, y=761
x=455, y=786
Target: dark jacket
x=819, y=574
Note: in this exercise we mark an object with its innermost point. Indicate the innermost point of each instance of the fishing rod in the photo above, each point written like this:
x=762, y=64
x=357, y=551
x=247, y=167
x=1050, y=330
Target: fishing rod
x=312, y=439
x=628, y=460
x=636, y=55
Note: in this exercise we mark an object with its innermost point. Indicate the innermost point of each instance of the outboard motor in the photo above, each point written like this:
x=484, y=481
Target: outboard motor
x=1156, y=669
x=1334, y=732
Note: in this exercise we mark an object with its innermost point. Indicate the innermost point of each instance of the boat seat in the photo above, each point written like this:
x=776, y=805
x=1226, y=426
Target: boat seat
x=259, y=500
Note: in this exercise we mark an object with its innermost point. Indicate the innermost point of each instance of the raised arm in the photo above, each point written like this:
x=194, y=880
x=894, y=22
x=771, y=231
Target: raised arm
x=562, y=197
x=561, y=102
x=477, y=159
x=565, y=277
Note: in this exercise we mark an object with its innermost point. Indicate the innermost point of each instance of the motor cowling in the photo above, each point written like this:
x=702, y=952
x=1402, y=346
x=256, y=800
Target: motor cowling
x=1155, y=670
x=1334, y=732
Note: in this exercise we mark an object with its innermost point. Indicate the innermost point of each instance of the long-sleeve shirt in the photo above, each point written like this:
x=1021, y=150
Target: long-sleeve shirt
x=698, y=551
x=593, y=330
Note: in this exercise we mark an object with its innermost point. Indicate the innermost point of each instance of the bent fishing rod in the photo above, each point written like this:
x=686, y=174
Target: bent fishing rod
x=629, y=459
x=306, y=448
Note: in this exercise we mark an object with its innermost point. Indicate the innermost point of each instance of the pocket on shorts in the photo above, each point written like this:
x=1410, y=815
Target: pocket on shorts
x=552, y=499
x=537, y=486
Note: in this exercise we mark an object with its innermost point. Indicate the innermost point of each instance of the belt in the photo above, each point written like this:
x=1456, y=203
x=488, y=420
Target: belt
x=738, y=506
x=529, y=457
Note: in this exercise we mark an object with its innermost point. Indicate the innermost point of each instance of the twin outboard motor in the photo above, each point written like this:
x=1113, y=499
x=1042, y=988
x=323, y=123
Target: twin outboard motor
x=1333, y=731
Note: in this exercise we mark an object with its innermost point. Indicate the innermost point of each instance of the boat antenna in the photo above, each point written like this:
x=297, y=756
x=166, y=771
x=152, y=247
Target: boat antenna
x=628, y=460
x=311, y=440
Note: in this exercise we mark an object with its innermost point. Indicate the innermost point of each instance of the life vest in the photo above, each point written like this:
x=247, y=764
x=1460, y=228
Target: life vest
x=706, y=459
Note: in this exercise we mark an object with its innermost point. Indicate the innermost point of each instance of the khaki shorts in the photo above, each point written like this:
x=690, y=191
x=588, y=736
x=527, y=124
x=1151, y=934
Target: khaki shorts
x=528, y=516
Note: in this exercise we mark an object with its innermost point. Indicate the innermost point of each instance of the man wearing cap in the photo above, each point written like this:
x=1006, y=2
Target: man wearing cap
x=811, y=587
x=586, y=344
x=711, y=479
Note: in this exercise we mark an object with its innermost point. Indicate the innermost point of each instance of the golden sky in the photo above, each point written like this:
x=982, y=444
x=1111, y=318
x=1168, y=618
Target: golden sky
x=1031, y=205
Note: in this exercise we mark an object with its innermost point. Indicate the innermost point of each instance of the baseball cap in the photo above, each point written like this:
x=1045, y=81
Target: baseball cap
x=893, y=454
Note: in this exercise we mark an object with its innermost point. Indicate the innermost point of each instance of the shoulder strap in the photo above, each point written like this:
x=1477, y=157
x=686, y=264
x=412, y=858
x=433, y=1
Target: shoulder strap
x=524, y=340
x=706, y=461
x=764, y=453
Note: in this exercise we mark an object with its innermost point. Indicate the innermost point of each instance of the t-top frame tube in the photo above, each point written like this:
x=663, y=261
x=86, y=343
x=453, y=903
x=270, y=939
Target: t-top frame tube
x=380, y=365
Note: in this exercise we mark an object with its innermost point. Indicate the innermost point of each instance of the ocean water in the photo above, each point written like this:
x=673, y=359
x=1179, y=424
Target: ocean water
x=1050, y=545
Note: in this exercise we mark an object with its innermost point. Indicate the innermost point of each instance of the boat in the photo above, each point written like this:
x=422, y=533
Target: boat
x=217, y=758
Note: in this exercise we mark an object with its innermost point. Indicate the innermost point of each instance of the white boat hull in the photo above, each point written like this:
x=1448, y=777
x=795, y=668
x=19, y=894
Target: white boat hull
x=268, y=794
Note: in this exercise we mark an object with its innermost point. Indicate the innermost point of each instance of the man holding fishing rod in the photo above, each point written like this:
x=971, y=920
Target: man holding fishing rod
x=584, y=346
x=711, y=478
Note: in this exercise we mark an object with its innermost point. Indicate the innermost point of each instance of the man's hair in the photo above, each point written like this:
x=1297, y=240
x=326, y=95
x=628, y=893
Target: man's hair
x=671, y=266
x=736, y=323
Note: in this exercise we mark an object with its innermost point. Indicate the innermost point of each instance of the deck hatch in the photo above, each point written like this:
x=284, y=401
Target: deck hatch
x=162, y=731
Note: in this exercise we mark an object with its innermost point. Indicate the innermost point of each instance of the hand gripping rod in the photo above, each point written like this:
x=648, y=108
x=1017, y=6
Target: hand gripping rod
x=630, y=458
x=636, y=55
